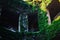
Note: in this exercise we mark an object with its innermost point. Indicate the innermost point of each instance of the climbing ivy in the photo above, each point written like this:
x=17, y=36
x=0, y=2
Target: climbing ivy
x=46, y=32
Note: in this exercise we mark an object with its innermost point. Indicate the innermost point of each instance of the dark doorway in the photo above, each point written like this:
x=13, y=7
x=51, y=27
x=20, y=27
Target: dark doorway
x=33, y=21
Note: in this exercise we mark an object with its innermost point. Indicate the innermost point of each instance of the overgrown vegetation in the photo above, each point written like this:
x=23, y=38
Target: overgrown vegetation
x=46, y=32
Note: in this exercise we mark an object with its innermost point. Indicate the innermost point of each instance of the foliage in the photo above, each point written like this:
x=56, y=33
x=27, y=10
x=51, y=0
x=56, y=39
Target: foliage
x=43, y=3
x=46, y=32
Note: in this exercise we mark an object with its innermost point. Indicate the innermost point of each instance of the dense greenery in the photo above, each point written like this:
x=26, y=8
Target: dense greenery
x=46, y=32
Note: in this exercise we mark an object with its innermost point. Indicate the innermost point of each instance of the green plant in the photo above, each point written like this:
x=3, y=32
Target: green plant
x=46, y=32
